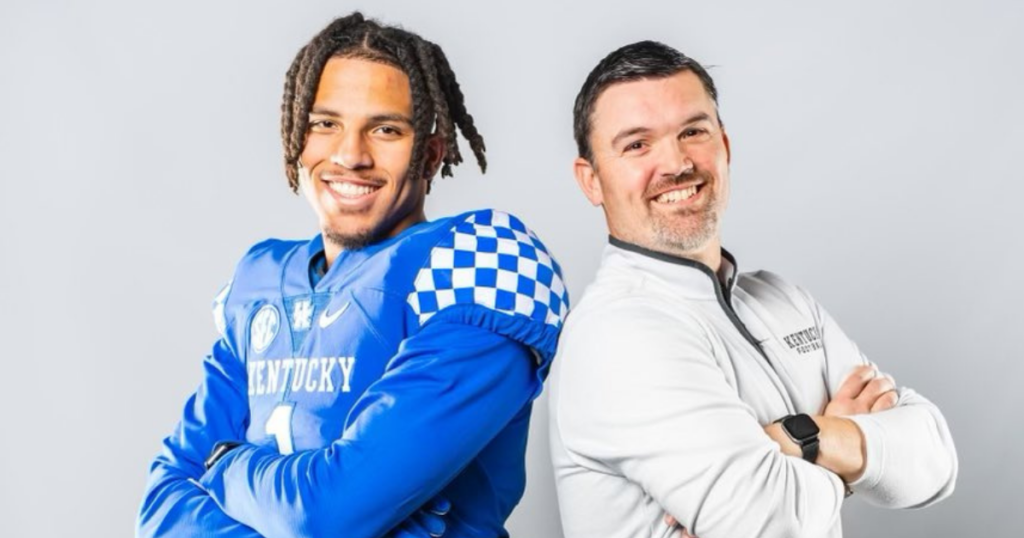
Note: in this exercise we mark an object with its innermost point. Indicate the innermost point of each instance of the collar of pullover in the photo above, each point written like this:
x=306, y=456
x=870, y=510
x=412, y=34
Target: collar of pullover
x=697, y=279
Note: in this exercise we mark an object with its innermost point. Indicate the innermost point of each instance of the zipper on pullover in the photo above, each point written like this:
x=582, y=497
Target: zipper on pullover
x=723, y=295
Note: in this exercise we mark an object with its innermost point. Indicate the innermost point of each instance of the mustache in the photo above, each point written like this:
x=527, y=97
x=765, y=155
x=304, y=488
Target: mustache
x=317, y=174
x=667, y=182
x=350, y=174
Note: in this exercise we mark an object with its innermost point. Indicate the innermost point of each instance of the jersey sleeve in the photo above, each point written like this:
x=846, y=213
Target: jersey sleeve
x=173, y=504
x=450, y=389
x=493, y=272
x=910, y=457
x=642, y=394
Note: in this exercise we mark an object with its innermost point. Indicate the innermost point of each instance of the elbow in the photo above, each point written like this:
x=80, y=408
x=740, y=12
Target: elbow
x=950, y=472
x=928, y=483
x=940, y=480
x=144, y=520
x=156, y=511
x=147, y=525
x=144, y=527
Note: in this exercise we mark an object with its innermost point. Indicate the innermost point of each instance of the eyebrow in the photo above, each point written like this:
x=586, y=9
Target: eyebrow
x=391, y=118
x=700, y=116
x=628, y=133
x=376, y=118
x=323, y=111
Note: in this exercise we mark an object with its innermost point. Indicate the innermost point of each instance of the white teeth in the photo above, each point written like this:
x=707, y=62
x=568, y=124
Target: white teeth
x=676, y=195
x=350, y=190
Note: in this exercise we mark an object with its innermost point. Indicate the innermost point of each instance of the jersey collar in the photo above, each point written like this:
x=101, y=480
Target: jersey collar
x=692, y=275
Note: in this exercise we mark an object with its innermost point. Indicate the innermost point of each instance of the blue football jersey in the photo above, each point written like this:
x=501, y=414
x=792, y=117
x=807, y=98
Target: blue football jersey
x=406, y=371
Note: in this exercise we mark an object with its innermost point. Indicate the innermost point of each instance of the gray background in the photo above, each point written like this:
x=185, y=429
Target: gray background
x=875, y=161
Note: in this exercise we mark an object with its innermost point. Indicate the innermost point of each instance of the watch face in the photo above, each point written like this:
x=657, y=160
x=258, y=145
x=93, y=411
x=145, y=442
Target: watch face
x=801, y=427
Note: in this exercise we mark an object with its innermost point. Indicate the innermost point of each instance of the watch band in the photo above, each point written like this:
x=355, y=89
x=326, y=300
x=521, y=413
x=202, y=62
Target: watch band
x=810, y=450
x=218, y=451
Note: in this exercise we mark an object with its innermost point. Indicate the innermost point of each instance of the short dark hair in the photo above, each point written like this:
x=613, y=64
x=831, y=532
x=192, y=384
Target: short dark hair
x=637, y=61
x=437, y=101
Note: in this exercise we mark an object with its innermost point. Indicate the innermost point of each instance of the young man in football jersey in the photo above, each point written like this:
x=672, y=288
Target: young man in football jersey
x=377, y=379
x=731, y=402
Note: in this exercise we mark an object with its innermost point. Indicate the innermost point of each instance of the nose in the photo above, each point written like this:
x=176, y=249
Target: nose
x=351, y=152
x=674, y=159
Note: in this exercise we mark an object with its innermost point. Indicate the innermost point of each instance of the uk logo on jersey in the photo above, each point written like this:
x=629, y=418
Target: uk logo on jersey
x=264, y=328
x=302, y=315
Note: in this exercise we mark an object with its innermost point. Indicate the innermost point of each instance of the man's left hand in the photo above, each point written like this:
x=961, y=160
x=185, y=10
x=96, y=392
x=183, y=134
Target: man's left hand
x=671, y=522
x=865, y=390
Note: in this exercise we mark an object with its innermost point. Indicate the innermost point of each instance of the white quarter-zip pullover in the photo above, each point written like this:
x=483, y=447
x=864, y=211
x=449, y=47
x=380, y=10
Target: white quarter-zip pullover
x=663, y=382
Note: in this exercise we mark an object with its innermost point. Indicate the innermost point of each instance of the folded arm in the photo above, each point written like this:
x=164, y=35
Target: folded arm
x=654, y=405
x=450, y=390
x=909, y=457
x=174, y=505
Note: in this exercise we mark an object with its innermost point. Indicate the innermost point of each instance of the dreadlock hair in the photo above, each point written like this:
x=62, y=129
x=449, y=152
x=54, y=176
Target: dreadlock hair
x=437, y=101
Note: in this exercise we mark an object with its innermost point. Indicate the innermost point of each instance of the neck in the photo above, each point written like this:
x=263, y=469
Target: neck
x=710, y=254
x=334, y=249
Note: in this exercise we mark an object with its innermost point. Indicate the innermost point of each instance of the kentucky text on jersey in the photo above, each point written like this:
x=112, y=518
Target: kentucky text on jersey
x=324, y=374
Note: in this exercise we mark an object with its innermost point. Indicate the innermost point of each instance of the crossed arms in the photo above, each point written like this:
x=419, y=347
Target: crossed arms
x=669, y=419
x=446, y=394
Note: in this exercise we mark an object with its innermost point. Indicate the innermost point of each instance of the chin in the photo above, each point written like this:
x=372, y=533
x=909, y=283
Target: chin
x=352, y=240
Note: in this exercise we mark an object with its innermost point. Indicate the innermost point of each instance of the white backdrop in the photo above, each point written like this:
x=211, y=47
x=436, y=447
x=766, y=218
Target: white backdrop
x=875, y=161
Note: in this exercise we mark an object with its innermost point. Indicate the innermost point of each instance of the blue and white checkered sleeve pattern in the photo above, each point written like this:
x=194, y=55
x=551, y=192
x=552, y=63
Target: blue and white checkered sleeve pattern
x=491, y=259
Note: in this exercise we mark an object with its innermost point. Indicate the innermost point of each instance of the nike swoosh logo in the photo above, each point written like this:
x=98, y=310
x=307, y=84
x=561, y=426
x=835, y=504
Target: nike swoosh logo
x=326, y=319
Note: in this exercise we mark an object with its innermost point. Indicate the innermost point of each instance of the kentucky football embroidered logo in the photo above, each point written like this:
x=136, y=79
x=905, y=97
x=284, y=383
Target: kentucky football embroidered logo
x=804, y=341
x=264, y=327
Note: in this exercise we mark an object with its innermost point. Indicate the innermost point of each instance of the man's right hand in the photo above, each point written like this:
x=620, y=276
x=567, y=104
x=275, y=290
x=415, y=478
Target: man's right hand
x=865, y=390
x=427, y=522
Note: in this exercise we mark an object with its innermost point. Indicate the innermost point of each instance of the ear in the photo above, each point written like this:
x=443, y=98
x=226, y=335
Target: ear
x=728, y=152
x=586, y=178
x=435, y=152
x=302, y=173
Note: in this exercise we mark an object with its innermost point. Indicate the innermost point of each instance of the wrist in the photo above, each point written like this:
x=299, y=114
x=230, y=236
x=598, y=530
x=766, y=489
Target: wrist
x=219, y=451
x=842, y=447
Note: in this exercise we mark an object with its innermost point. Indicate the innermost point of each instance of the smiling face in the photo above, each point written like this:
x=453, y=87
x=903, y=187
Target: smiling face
x=660, y=165
x=355, y=166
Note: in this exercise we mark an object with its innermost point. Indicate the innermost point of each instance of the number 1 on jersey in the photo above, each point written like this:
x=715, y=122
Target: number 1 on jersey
x=280, y=426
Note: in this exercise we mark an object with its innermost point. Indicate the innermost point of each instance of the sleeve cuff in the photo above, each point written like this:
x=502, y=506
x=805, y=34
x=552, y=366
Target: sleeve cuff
x=212, y=481
x=874, y=452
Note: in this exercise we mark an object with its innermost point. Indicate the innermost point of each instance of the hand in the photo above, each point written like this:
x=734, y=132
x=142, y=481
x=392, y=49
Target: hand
x=427, y=522
x=865, y=390
x=671, y=522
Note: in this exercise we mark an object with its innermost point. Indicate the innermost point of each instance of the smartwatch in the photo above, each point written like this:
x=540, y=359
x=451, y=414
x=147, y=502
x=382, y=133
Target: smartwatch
x=803, y=431
x=219, y=449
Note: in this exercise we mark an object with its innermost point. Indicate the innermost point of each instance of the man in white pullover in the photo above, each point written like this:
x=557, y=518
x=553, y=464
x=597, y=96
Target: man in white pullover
x=687, y=395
